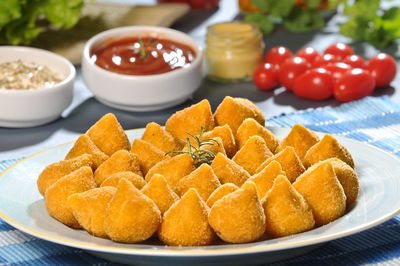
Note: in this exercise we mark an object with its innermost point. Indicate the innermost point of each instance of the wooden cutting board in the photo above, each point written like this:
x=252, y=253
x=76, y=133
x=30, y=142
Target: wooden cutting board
x=98, y=17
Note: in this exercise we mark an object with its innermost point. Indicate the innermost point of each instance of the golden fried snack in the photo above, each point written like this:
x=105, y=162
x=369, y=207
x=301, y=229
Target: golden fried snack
x=328, y=147
x=238, y=217
x=172, y=169
x=148, y=154
x=131, y=216
x=323, y=192
x=84, y=145
x=113, y=180
x=55, y=171
x=191, y=119
x=57, y=194
x=233, y=111
x=120, y=161
x=160, y=138
x=228, y=140
x=89, y=208
x=186, y=223
x=251, y=127
x=228, y=171
x=221, y=192
x=286, y=210
x=108, y=135
x=252, y=154
x=300, y=138
x=202, y=179
x=289, y=161
x=265, y=178
x=348, y=178
x=159, y=191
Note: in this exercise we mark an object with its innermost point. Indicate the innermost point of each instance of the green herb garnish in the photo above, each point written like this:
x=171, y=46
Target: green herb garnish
x=199, y=155
x=142, y=50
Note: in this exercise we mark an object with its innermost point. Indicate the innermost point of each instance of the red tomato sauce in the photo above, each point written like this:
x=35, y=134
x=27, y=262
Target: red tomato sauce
x=143, y=56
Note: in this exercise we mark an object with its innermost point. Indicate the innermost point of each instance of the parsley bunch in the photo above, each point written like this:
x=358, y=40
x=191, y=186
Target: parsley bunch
x=367, y=21
x=295, y=17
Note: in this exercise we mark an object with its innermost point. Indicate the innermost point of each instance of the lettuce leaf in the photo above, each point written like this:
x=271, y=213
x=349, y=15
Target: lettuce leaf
x=22, y=20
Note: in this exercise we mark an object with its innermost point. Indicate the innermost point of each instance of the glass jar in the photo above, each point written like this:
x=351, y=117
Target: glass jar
x=234, y=50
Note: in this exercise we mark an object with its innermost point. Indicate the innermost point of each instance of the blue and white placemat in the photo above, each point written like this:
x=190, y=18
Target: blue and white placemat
x=372, y=120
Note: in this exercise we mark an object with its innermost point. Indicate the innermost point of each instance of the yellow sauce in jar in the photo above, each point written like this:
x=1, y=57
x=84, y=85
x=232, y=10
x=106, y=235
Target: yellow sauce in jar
x=234, y=50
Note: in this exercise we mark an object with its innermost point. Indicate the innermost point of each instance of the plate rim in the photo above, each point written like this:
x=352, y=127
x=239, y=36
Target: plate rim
x=196, y=251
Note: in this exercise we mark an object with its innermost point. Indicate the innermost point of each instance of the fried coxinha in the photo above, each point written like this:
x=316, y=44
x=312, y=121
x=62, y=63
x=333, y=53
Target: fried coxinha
x=205, y=176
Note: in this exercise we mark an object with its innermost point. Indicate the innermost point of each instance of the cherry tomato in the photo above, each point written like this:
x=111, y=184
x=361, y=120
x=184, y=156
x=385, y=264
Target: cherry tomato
x=339, y=50
x=353, y=85
x=315, y=84
x=383, y=69
x=309, y=54
x=291, y=69
x=337, y=69
x=265, y=77
x=277, y=56
x=355, y=61
x=324, y=60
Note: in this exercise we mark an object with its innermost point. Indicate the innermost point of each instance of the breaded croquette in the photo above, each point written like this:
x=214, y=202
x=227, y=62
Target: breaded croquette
x=228, y=140
x=228, y=171
x=89, y=208
x=323, y=192
x=348, y=178
x=108, y=135
x=233, y=111
x=55, y=171
x=286, y=210
x=300, y=138
x=173, y=169
x=148, y=154
x=161, y=138
x=238, y=217
x=84, y=145
x=265, y=178
x=220, y=192
x=202, y=179
x=160, y=192
x=191, y=119
x=113, y=180
x=57, y=194
x=186, y=223
x=289, y=161
x=328, y=147
x=131, y=216
x=252, y=154
x=120, y=161
x=251, y=127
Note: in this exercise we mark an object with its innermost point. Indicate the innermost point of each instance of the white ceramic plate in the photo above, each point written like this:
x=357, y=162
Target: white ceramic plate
x=22, y=206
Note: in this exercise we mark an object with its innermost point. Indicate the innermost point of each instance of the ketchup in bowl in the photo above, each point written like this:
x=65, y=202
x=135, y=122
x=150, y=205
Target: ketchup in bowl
x=142, y=56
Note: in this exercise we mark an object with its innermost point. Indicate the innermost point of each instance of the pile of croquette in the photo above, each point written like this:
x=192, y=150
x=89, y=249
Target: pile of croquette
x=203, y=179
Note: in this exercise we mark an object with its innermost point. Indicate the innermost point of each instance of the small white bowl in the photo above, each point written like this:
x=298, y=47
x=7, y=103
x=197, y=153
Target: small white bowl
x=146, y=92
x=34, y=107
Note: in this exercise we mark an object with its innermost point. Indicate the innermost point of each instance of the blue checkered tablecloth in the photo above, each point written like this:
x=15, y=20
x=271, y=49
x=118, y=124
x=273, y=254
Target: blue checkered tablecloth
x=372, y=120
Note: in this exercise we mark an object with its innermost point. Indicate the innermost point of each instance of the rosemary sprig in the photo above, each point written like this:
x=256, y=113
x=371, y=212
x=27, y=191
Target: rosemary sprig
x=142, y=50
x=199, y=155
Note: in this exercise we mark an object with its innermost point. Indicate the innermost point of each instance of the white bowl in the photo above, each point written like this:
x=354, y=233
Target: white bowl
x=147, y=92
x=28, y=108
